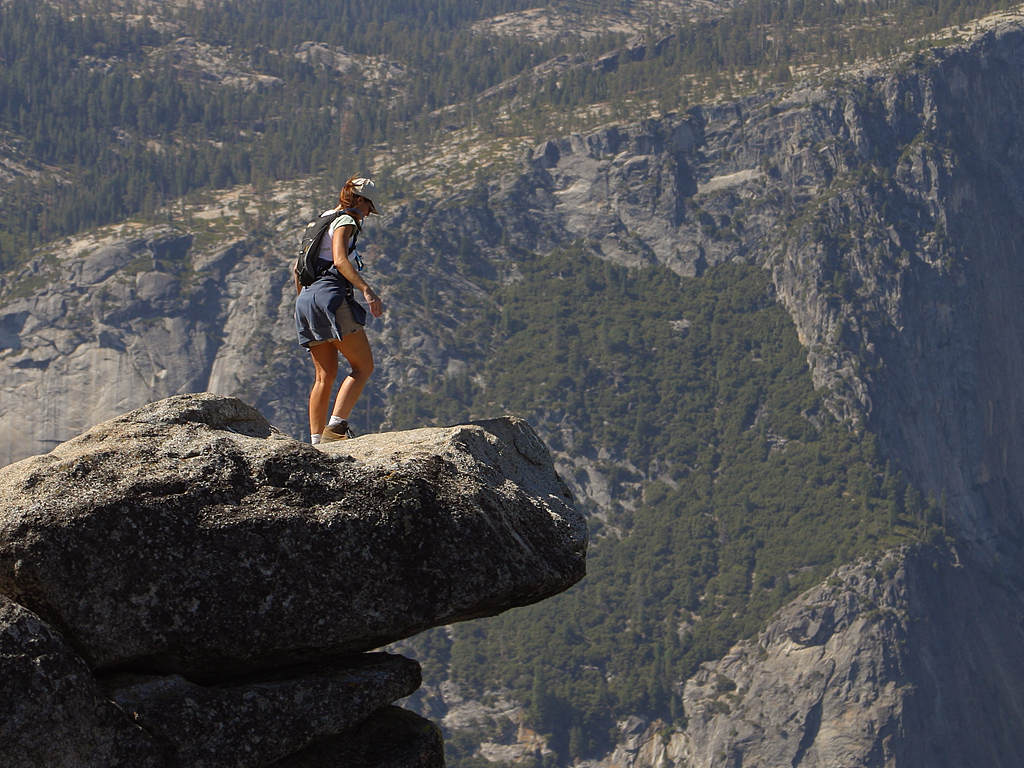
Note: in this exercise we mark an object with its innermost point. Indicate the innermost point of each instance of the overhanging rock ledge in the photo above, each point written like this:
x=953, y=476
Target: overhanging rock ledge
x=187, y=551
x=190, y=536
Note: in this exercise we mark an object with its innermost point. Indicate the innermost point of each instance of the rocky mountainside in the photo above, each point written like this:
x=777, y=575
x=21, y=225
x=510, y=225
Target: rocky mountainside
x=891, y=662
x=885, y=206
x=884, y=202
x=185, y=586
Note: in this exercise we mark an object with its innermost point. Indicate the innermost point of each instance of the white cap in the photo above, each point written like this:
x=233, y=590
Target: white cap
x=366, y=188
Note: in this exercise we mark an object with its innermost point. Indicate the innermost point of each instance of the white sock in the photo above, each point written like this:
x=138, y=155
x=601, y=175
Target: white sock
x=335, y=421
x=314, y=439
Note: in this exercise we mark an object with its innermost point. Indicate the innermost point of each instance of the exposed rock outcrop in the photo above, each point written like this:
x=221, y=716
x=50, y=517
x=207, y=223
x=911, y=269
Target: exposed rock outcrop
x=189, y=536
x=195, y=588
x=824, y=685
x=52, y=710
x=905, y=660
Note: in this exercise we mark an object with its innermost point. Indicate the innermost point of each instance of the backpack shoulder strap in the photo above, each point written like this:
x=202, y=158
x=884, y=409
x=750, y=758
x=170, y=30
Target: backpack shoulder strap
x=355, y=237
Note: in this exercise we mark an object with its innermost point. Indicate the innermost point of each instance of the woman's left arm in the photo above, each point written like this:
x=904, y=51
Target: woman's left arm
x=339, y=252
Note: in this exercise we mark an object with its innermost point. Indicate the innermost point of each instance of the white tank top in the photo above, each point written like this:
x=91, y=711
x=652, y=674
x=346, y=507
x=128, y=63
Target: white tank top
x=326, y=245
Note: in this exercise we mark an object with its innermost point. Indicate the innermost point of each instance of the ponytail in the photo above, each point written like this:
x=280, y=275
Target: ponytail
x=347, y=196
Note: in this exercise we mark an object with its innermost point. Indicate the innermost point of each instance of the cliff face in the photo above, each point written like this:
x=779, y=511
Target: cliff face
x=118, y=320
x=889, y=213
x=887, y=207
x=947, y=398
x=908, y=660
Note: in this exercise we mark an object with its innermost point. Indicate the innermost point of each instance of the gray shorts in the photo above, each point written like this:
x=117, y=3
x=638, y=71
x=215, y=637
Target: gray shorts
x=346, y=324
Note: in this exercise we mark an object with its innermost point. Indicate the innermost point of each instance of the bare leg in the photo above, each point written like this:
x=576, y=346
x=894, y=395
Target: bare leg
x=325, y=361
x=356, y=349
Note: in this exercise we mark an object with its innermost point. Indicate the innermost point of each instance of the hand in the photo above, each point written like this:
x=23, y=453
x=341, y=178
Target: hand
x=376, y=306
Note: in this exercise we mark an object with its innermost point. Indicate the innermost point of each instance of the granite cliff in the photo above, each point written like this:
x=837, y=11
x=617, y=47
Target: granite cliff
x=886, y=204
x=911, y=659
x=185, y=586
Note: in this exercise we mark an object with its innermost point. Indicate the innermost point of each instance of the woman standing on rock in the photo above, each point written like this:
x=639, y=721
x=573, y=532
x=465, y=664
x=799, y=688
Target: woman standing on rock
x=329, y=320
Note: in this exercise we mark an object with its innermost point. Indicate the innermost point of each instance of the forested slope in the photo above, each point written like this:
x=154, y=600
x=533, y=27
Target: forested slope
x=111, y=109
x=744, y=492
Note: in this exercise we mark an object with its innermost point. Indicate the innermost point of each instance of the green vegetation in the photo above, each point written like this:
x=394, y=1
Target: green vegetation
x=749, y=491
x=105, y=99
x=116, y=115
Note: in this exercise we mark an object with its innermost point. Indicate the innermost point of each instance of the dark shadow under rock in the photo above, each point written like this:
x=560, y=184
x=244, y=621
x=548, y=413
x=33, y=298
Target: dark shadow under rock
x=256, y=722
x=52, y=712
x=391, y=738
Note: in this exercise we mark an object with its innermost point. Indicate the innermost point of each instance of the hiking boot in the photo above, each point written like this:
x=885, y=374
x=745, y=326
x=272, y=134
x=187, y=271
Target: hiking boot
x=337, y=432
